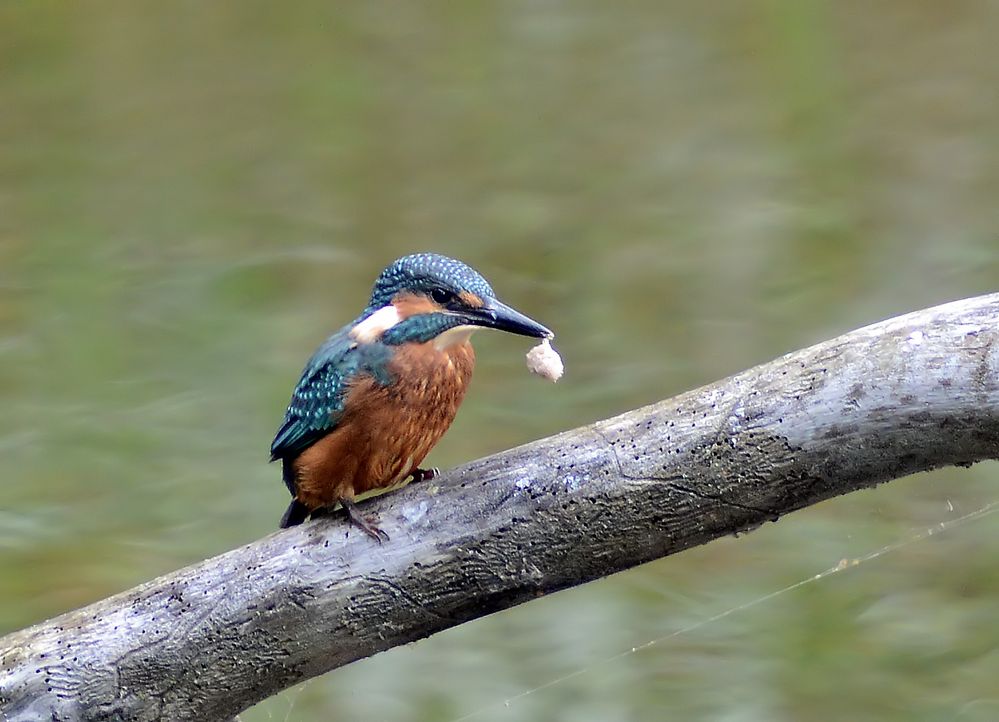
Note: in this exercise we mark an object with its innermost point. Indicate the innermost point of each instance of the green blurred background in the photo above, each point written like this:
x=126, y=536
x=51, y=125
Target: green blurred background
x=192, y=195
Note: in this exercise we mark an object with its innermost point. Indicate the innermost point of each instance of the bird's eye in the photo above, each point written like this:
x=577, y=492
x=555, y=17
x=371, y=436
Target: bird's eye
x=441, y=295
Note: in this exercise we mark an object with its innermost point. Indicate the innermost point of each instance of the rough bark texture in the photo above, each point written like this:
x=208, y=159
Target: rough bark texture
x=909, y=394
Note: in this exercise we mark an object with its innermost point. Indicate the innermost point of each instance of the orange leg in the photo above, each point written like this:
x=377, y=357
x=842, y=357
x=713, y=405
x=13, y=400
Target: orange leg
x=425, y=474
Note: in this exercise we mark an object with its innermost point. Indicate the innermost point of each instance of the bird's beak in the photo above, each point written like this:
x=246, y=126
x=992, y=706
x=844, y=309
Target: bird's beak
x=496, y=314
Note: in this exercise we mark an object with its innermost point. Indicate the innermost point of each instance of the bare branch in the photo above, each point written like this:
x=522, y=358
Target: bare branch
x=909, y=394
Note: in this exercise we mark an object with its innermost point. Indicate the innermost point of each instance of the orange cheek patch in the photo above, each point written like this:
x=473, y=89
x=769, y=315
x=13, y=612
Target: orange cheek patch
x=471, y=300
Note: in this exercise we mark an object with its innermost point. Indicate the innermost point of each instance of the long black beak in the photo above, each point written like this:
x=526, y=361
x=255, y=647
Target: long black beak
x=496, y=314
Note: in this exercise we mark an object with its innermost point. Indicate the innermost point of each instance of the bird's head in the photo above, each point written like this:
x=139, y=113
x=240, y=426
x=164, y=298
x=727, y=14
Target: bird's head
x=429, y=297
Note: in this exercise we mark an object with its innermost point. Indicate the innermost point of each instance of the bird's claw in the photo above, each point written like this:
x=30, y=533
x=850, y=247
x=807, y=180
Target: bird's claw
x=369, y=528
x=362, y=522
x=375, y=532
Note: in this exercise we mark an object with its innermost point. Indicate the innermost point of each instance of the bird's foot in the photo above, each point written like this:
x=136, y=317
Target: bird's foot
x=425, y=474
x=362, y=522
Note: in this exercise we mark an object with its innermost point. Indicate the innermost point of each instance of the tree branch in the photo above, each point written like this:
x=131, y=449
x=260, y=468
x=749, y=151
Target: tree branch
x=909, y=394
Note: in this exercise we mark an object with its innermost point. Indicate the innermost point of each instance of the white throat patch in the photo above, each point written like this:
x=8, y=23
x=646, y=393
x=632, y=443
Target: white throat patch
x=453, y=336
x=376, y=324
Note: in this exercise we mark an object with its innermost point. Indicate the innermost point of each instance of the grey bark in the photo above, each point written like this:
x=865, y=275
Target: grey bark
x=203, y=643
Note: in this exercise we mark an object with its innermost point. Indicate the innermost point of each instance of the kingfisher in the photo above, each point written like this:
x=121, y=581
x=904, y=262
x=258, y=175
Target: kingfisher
x=378, y=394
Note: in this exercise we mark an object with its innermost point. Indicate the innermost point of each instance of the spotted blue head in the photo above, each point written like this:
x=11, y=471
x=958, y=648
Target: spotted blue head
x=426, y=296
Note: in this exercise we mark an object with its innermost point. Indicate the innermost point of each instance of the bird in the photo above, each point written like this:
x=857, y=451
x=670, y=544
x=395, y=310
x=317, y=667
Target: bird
x=378, y=394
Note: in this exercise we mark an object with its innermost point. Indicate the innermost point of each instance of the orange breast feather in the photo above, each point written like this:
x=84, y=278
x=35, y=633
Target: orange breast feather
x=387, y=431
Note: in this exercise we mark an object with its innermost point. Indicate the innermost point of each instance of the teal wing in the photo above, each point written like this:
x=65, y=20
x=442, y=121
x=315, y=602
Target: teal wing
x=317, y=403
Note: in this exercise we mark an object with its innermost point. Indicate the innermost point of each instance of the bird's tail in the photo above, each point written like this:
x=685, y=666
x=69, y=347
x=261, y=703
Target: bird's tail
x=289, y=475
x=295, y=514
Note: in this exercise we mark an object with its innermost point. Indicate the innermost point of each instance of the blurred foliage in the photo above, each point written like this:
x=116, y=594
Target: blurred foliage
x=193, y=195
